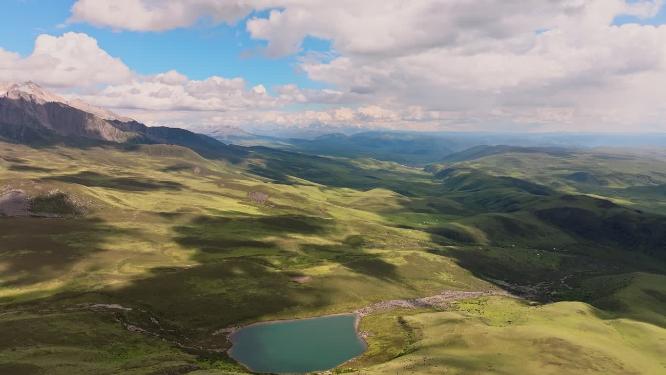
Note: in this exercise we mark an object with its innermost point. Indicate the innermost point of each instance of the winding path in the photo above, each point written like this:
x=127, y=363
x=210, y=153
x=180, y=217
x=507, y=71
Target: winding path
x=438, y=300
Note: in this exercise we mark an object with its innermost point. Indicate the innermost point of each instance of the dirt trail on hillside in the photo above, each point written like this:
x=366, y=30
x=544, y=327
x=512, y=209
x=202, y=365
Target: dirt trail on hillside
x=437, y=301
x=440, y=300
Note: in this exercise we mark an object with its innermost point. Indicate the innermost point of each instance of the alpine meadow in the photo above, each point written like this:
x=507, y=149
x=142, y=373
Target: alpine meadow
x=287, y=187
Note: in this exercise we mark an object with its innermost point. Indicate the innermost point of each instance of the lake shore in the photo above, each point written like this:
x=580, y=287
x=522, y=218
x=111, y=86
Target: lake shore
x=440, y=300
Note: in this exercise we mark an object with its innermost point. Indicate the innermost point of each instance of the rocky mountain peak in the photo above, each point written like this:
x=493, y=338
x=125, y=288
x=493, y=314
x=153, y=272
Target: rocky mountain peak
x=29, y=91
x=31, y=114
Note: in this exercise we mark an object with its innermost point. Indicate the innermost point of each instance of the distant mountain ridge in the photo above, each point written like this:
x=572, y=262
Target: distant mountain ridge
x=30, y=114
x=481, y=151
x=401, y=147
x=420, y=149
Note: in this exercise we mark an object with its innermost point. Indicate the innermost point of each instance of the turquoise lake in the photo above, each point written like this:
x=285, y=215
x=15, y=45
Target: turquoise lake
x=297, y=346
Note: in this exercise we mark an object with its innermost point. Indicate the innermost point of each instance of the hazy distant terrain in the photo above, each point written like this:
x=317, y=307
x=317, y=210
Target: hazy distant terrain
x=422, y=148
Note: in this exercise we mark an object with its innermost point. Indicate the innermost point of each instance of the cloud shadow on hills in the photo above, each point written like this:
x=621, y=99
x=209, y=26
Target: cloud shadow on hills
x=225, y=288
x=38, y=249
x=349, y=253
x=135, y=184
x=215, y=234
x=280, y=166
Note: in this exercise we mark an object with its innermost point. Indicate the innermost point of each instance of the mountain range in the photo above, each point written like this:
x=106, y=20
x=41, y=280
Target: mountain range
x=32, y=115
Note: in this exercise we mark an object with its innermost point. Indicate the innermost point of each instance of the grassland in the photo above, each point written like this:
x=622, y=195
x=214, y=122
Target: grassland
x=627, y=177
x=499, y=335
x=150, y=252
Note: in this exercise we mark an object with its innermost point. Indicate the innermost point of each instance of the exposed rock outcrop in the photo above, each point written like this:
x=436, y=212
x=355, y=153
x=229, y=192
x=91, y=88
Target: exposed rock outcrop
x=31, y=115
x=14, y=203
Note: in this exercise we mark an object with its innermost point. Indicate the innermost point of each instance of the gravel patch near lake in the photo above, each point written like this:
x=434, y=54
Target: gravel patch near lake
x=436, y=301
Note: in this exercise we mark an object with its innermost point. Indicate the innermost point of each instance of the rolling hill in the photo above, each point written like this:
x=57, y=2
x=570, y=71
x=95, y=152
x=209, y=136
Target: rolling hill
x=139, y=254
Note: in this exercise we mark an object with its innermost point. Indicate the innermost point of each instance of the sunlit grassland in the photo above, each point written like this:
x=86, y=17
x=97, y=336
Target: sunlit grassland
x=176, y=236
x=137, y=222
x=79, y=342
x=500, y=335
x=627, y=177
x=178, y=239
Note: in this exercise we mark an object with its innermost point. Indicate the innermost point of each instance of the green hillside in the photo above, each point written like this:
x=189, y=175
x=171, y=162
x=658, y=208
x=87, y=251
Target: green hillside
x=633, y=178
x=136, y=260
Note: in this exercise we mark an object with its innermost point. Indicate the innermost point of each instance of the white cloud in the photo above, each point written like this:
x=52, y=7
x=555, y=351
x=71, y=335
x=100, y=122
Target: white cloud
x=542, y=64
x=400, y=28
x=69, y=60
x=77, y=68
x=556, y=64
x=156, y=15
x=294, y=94
x=173, y=91
x=369, y=117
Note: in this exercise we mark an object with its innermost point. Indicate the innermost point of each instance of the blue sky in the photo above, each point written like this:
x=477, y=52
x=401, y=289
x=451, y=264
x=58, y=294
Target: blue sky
x=198, y=52
x=659, y=19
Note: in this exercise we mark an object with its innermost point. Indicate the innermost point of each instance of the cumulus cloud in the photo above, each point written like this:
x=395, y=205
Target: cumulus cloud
x=72, y=59
x=76, y=67
x=372, y=27
x=366, y=117
x=543, y=64
x=293, y=94
x=559, y=64
x=157, y=15
x=172, y=91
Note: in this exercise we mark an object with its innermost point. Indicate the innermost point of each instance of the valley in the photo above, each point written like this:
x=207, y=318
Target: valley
x=145, y=250
x=376, y=187
x=183, y=245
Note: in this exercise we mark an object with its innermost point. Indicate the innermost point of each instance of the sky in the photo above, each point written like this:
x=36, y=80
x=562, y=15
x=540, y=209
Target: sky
x=458, y=65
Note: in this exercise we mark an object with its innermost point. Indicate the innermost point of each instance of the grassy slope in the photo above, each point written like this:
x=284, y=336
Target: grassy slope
x=630, y=178
x=175, y=237
x=504, y=336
